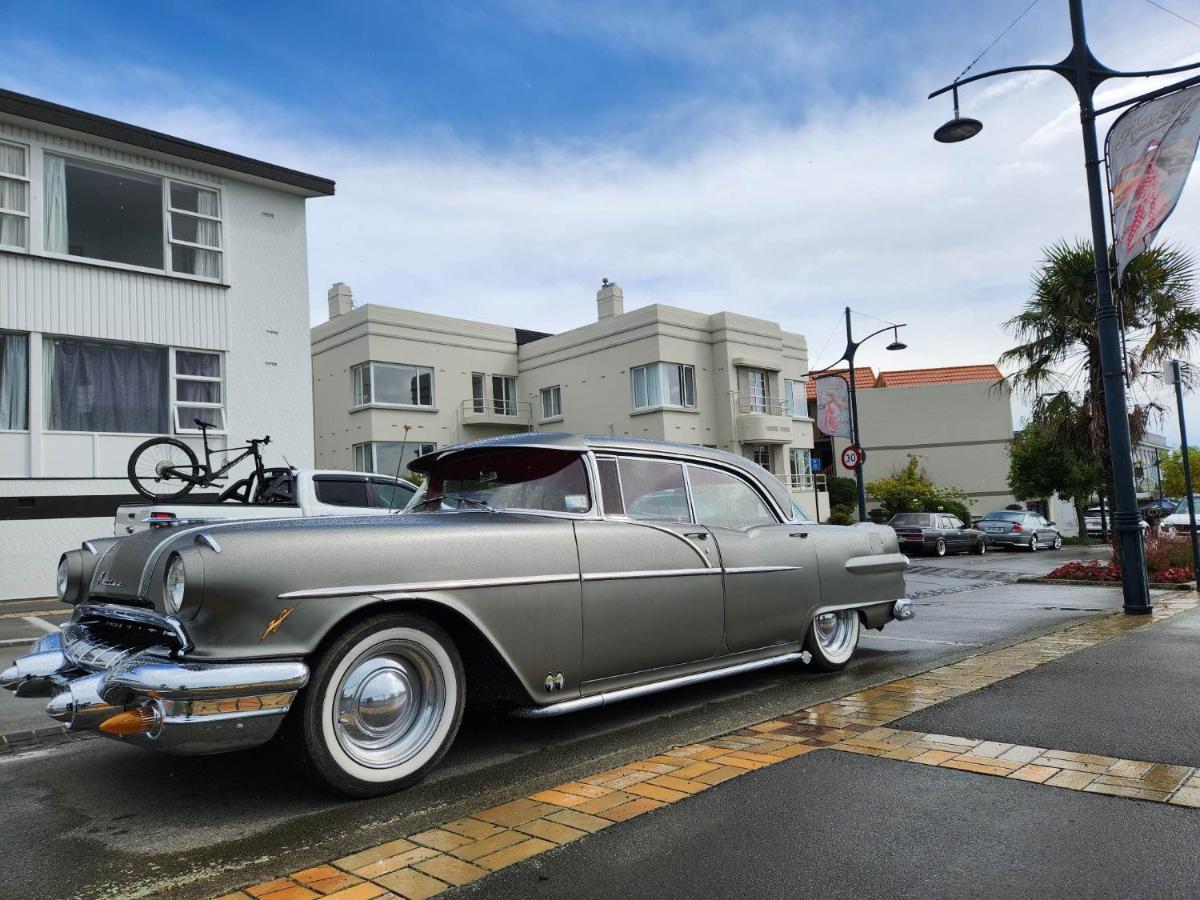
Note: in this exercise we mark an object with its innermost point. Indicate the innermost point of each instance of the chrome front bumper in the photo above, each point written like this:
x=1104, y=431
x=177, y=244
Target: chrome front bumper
x=173, y=705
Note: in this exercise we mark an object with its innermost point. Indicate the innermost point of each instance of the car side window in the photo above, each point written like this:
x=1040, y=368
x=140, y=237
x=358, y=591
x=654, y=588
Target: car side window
x=725, y=501
x=610, y=486
x=390, y=494
x=944, y=522
x=956, y=522
x=337, y=491
x=654, y=490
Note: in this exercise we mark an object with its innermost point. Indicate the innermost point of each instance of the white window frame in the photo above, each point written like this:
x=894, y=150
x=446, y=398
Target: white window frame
x=686, y=385
x=795, y=397
x=479, y=392
x=144, y=173
x=169, y=211
x=505, y=403
x=370, y=450
x=190, y=427
x=359, y=399
x=26, y=213
x=553, y=394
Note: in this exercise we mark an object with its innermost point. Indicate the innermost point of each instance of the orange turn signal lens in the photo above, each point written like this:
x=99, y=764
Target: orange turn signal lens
x=141, y=720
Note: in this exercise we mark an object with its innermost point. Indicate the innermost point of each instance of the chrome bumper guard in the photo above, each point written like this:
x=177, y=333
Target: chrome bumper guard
x=903, y=609
x=180, y=706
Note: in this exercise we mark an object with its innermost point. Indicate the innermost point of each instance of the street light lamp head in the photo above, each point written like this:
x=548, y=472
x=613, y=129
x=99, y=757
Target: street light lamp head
x=896, y=343
x=958, y=129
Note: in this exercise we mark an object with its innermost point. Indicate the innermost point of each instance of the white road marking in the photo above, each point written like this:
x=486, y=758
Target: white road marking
x=41, y=623
x=910, y=640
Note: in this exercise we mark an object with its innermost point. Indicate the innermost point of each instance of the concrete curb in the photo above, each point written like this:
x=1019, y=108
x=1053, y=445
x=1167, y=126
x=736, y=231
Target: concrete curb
x=38, y=739
x=1079, y=582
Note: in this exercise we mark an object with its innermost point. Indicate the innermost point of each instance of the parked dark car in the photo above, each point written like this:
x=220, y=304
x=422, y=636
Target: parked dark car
x=936, y=534
x=1013, y=528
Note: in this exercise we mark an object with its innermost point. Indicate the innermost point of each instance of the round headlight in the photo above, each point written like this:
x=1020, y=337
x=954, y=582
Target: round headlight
x=62, y=578
x=175, y=583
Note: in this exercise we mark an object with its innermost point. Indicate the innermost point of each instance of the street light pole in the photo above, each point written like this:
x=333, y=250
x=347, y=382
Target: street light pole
x=1177, y=377
x=1085, y=73
x=855, y=437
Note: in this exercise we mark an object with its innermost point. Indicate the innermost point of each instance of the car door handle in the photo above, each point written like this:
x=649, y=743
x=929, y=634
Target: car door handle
x=699, y=535
x=800, y=534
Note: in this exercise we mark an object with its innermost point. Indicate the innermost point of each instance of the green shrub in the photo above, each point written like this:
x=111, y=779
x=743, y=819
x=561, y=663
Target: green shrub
x=841, y=515
x=842, y=492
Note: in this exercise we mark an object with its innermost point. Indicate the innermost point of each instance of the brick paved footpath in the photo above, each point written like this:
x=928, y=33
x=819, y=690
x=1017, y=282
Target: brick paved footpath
x=423, y=865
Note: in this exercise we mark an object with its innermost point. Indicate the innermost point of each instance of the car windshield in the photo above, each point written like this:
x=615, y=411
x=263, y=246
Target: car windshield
x=918, y=519
x=1182, y=508
x=1004, y=517
x=533, y=479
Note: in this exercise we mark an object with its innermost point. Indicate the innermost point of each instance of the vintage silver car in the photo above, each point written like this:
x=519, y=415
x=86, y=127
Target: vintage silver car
x=547, y=572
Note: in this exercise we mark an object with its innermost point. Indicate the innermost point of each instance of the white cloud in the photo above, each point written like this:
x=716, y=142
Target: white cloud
x=855, y=206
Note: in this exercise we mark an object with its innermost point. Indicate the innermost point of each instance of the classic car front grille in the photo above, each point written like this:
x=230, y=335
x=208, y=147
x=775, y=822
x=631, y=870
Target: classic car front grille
x=100, y=637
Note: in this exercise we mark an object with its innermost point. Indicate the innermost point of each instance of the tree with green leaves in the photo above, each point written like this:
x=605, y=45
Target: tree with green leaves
x=1058, y=343
x=1172, y=472
x=909, y=489
x=1050, y=456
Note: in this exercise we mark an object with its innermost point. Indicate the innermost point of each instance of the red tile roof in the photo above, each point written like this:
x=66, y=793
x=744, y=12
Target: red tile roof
x=864, y=377
x=946, y=375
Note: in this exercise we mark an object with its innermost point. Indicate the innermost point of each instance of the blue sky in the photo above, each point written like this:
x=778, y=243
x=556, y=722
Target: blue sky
x=496, y=160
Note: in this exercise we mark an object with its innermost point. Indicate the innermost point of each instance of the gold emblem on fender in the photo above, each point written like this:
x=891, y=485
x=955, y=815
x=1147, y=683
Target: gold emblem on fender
x=273, y=625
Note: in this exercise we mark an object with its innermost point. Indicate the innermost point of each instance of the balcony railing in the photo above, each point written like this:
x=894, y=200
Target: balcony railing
x=804, y=482
x=490, y=410
x=756, y=404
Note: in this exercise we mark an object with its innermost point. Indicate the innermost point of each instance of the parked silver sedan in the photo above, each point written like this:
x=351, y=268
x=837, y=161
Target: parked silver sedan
x=1017, y=528
x=545, y=572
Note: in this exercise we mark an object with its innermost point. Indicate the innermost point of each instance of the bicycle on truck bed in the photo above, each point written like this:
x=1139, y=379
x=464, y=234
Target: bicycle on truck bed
x=165, y=468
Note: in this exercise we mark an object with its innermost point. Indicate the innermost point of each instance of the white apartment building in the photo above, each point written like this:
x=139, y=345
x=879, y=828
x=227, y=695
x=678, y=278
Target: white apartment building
x=145, y=281
x=388, y=380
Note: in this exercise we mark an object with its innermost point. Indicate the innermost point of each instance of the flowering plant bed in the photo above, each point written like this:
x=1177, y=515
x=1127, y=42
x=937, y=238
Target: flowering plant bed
x=1096, y=572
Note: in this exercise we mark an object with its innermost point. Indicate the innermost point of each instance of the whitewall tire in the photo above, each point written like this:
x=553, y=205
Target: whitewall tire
x=382, y=707
x=832, y=639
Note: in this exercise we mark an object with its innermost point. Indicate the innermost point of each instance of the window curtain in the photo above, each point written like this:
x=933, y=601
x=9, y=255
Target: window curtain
x=55, y=177
x=106, y=387
x=14, y=381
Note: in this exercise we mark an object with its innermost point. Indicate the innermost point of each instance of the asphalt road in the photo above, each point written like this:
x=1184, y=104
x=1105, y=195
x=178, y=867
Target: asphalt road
x=94, y=818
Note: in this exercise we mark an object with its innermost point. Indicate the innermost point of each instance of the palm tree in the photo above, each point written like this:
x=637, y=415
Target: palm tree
x=1058, y=345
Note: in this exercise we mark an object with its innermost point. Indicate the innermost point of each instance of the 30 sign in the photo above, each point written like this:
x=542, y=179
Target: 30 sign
x=852, y=457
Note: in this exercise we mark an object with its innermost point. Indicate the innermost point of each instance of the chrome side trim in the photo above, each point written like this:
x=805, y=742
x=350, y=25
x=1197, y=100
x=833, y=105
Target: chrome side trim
x=390, y=591
x=641, y=690
x=675, y=534
x=648, y=573
x=91, y=548
x=208, y=540
x=882, y=562
x=746, y=570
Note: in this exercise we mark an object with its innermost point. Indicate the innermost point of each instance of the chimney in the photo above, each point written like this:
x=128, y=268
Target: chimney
x=341, y=301
x=610, y=300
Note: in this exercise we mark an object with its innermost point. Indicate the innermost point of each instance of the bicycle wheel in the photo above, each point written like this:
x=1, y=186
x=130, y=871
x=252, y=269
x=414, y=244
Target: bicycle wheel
x=153, y=464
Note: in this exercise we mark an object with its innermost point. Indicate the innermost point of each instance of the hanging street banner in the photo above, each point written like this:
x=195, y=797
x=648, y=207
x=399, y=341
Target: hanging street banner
x=1150, y=152
x=833, y=406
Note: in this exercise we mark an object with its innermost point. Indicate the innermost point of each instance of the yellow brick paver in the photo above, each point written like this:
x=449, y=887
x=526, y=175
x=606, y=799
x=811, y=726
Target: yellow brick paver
x=457, y=852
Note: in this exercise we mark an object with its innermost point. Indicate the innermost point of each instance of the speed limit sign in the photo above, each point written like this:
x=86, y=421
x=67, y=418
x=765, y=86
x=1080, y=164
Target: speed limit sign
x=852, y=457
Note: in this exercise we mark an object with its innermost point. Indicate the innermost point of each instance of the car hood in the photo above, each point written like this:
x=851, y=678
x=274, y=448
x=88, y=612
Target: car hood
x=131, y=567
x=1177, y=518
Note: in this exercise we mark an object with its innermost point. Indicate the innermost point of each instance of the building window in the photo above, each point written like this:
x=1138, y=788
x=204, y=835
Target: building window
x=398, y=384
x=14, y=382
x=795, y=397
x=761, y=454
x=194, y=220
x=552, y=402
x=664, y=384
x=95, y=386
x=198, y=391
x=801, y=460
x=504, y=395
x=103, y=212
x=385, y=457
x=478, y=392
x=14, y=196
x=757, y=390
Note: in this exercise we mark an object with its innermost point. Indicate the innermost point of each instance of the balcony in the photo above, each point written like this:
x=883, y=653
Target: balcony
x=761, y=420
x=515, y=414
x=810, y=491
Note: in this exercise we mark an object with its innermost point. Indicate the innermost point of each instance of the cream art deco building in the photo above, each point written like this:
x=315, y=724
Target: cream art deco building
x=388, y=379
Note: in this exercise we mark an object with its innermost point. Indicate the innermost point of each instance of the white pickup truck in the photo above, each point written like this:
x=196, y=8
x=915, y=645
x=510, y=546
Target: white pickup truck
x=287, y=493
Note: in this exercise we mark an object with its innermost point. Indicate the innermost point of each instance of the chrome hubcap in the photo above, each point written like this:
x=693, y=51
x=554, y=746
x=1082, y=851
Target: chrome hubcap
x=836, y=632
x=389, y=704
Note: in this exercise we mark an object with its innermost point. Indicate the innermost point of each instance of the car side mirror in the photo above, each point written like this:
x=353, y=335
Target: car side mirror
x=1050, y=523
